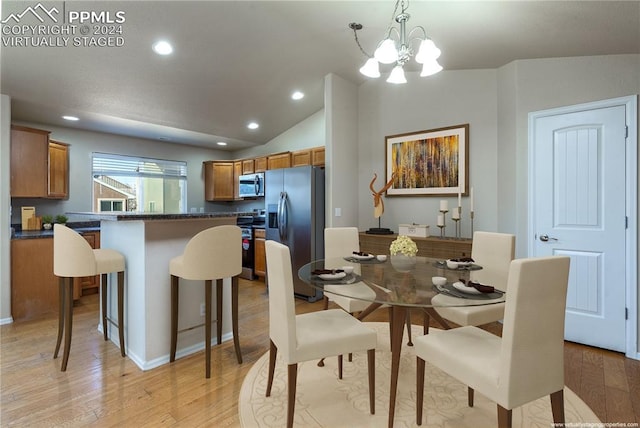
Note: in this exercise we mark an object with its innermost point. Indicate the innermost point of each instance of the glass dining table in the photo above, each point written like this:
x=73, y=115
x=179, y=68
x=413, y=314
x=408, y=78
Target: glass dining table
x=402, y=284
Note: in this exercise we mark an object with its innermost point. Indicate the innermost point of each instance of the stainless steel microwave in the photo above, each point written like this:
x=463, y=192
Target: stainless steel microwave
x=251, y=185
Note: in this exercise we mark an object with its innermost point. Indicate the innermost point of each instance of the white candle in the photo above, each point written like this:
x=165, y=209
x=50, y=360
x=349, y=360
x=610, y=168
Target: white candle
x=471, y=200
x=440, y=220
x=444, y=205
x=459, y=197
x=456, y=213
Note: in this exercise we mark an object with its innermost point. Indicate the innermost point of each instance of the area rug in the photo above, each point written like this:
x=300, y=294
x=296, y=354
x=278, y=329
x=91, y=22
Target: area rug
x=323, y=400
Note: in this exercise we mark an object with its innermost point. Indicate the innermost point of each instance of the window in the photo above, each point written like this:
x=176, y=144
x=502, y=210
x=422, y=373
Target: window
x=130, y=183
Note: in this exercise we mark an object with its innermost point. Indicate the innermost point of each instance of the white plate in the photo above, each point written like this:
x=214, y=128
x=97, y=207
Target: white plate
x=461, y=287
x=329, y=276
x=461, y=264
x=367, y=257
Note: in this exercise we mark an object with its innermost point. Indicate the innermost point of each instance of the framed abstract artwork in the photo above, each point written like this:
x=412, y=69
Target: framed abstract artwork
x=428, y=163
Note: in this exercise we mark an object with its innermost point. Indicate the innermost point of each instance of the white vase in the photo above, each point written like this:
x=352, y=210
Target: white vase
x=47, y=226
x=403, y=263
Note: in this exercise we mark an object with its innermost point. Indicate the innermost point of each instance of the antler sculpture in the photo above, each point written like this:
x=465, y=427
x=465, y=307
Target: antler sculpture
x=378, y=205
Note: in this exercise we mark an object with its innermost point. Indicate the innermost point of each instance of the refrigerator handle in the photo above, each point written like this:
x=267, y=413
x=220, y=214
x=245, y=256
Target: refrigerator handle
x=283, y=217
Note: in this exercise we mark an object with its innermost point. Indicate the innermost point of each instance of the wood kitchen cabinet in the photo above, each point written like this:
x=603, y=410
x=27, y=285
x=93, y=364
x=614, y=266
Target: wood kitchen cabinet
x=279, y=160
x=313, y=156
x=260, y=164
x=39, y=167
x=317, y=156
x=87, y=284
x=219, y=181
x=259, y=254
x=237, y=172
x=34, y=287
x=248, y=166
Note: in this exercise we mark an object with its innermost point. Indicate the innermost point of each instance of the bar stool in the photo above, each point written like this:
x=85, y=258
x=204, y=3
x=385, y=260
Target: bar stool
x=73, y=257
x=213, y=254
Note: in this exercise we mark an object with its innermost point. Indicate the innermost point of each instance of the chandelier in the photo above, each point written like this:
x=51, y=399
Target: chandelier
x=400, y=50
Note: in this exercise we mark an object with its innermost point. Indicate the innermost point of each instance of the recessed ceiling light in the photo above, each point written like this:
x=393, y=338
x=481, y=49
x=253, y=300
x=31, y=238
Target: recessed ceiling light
x=253, y=125
x=221, y=143
x=72, y=118
x=297, y=95
x=162, y=48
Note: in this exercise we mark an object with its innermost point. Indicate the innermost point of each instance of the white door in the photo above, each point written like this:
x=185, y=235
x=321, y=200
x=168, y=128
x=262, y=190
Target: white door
x=579, y=210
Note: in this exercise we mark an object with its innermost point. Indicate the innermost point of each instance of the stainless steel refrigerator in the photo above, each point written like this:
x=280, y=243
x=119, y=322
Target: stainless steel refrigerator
x=294, y=200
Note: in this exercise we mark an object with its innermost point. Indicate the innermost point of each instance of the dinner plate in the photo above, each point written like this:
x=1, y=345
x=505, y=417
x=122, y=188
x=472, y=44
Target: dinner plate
x=330, y=276
x=469, y=290
x=359, y=257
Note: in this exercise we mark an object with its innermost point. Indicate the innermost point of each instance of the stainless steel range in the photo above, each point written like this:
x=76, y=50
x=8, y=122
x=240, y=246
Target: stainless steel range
x=247, y=224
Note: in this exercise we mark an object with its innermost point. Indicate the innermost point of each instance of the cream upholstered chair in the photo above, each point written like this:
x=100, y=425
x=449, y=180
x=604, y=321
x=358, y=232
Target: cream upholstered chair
x=341, y=242
x=312, y=335
x=213, y=254
x=73, y=257
x=494, y=252
x=527, y=362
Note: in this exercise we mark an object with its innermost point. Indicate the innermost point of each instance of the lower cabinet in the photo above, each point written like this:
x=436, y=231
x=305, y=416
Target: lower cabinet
x=260, y=257
x=34, y=287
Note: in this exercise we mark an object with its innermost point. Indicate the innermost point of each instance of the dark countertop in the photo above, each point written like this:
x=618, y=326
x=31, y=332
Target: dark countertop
x=123, y=216
x=80, y=227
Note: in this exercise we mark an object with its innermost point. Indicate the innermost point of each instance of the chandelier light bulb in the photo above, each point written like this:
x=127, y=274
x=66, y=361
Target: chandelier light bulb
x=427, y=51
x=397, y=75
x=386, y=52
x=371, y=68
x=430, y=67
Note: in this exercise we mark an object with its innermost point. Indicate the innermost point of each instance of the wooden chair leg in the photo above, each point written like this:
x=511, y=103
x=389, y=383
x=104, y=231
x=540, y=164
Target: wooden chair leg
x=350, y=357
x=121, y=312
x=504, y=417
x=325, y=303
x=557, y=407
x=175, y=281
x=339, y=366
x=426, y=319
x=68, y=289
x=273, y=352
x=371, y=365
x=470, y=396
x=208, y=294
x=103, y=305
x=219, y=310
x=234, y=318
x=291, y=396
x=61, y=311
x=419, y=389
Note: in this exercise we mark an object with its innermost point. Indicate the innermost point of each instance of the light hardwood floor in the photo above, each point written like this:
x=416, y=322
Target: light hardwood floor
x=100, y=388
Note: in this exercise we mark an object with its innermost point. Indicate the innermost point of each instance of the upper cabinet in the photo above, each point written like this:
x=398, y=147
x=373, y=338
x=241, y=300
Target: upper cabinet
x=313, y=156
x=39, y=167
x=279, y=160
x=260, y=164
x=219, y=180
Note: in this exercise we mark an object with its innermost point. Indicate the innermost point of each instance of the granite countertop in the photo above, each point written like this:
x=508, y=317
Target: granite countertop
x=80, y=227
x=123, y=216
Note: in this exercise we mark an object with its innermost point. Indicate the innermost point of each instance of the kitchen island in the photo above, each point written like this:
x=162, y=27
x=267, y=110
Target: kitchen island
x=148, y=242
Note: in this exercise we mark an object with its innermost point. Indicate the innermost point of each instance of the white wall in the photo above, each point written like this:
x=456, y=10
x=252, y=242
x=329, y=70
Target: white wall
x=5, y=218
x=445, y=99
x=341, y=103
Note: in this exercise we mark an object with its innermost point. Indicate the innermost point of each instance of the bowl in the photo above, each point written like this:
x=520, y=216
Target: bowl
x=438, y=280
x=452, y=265
x=381, y=257
x=347, y=269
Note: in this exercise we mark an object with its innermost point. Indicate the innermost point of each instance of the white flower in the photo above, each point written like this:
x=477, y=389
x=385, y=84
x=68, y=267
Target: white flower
x=403, y=245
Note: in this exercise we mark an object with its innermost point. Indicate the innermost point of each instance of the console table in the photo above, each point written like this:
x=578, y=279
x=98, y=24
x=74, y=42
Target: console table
x=441, y=248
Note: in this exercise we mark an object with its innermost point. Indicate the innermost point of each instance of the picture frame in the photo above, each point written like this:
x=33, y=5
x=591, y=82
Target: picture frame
x=434, y=162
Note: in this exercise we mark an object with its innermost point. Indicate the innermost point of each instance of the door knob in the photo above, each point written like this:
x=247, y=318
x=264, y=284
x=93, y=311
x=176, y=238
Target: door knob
x=546, y=238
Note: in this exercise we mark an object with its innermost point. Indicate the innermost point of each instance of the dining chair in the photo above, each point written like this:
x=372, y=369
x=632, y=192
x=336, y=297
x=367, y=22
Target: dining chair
x=494, y=252
x=212, y=254
x=309, y=336
x=527, y=362
x=73, y=257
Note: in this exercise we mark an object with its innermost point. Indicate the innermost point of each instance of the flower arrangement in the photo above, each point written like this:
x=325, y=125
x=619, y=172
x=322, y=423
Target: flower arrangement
x=403, y=245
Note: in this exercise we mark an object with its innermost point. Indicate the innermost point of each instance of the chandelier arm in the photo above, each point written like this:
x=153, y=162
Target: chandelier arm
x=417, y=27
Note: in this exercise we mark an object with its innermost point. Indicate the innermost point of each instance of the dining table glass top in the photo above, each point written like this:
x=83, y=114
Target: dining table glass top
x=397, y=281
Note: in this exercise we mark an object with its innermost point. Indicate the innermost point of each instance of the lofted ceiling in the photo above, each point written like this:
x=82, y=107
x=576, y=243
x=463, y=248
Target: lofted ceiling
x=238, y=61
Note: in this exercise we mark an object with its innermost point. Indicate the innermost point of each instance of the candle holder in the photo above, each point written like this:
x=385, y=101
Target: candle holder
x=471, y=214
x=443, y=226
x=458, y=222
